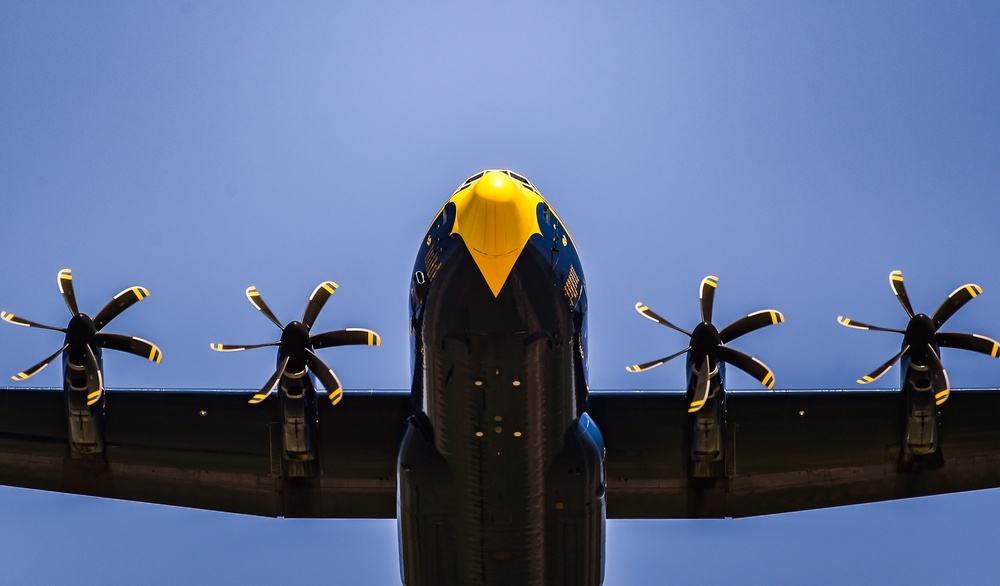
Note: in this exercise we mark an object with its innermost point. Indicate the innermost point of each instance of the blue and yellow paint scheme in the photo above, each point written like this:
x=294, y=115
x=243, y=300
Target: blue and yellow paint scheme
x=501, y=470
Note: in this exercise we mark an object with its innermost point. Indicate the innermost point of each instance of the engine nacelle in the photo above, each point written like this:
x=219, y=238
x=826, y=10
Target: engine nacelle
x=922, y=413
x=85, y=422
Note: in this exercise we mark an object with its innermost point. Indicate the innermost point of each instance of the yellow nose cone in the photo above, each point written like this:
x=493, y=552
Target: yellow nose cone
x=495, y=216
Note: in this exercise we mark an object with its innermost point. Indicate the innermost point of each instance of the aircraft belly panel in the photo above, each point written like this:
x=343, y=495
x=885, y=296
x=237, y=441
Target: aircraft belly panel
x=500, y=393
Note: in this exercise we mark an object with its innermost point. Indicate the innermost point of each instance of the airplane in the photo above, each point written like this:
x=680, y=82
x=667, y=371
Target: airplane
x=499, y=463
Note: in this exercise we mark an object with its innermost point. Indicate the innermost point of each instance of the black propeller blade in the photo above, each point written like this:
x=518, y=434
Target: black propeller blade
x=257, y=301
x=272, y=383
x=878, y=372
x=954, y=302
x=118, y=304
x=84, y=335
x=20, y=321
x=65, y=281
x=706, y=297
x=708, y=344
x=921, y=337
x=899, y=290
x=702, y=384
x=30, y=372
x=316, y=302
x=297, y=343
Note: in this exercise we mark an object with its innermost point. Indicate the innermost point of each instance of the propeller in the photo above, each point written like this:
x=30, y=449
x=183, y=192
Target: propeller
x=708, y=345
x=921, y=337
x=297, y=344
x=84, y=336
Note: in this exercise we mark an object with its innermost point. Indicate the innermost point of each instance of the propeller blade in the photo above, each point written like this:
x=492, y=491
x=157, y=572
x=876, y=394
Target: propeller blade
x=236, y=348
x=971, y=342
x=326, y=376
x=899, y=290
x=939, y=377
x=317, y=300
x=878, y=372
x=747, y=324
x=95, y=380
x=20, y=321
x=118, y=304
x=650, y=314
x=131, y=344
x=702, y=384
x=706, y=295
x=863, y=326
x=654, y=363
x=348, y=337
x=954, y=302
x=257, y=301
x=272, y=383
x=24, y=375
x=65, y=281
x=747, y=364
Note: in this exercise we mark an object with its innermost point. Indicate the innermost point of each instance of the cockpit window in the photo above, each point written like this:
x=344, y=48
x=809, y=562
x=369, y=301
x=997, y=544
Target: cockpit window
x=519, y=178
x=523, y=180
x=470, y=180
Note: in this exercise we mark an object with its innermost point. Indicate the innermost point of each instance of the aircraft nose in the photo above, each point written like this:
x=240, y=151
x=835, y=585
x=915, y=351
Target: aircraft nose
x=497, y=187
x=497, y=216
x=495, y=219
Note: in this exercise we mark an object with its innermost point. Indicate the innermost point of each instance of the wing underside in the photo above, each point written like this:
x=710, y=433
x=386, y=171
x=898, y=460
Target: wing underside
x=208, y=450
x=783, y=451
x=788, y=451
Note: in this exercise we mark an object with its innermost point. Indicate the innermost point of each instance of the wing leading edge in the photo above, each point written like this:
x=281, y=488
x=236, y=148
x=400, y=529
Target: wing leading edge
x=788, y=451
x=208, y=450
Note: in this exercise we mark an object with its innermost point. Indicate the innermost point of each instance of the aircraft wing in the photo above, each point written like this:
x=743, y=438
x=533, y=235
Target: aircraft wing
x=788, y=451
x=208, y=450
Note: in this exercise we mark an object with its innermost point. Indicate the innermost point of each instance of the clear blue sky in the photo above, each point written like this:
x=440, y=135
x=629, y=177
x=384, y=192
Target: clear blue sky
x=798, y=152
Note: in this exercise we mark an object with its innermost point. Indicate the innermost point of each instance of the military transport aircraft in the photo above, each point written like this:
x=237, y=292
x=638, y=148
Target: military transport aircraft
x=499, y=463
